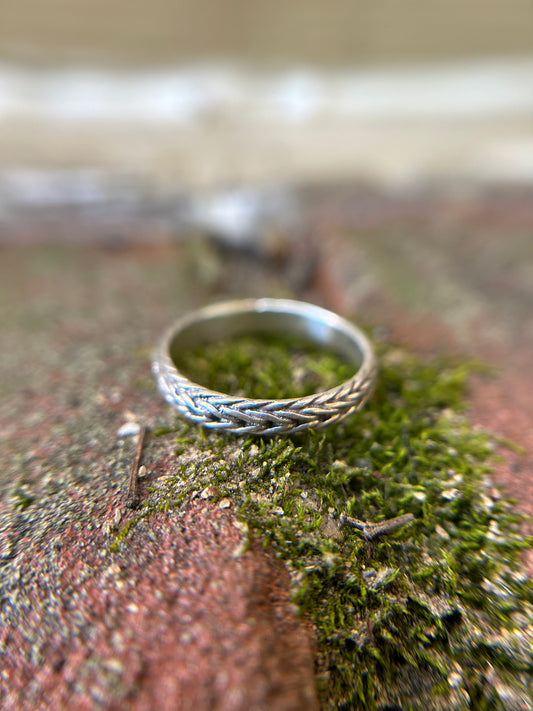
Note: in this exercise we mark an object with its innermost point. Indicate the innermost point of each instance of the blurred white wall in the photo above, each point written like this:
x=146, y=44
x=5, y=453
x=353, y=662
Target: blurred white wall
x=201, y=94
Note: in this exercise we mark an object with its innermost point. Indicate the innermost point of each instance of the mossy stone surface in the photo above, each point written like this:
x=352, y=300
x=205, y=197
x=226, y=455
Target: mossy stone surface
x=435, y=615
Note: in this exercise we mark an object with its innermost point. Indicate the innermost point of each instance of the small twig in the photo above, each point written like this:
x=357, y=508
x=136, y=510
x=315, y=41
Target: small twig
x=133, y=494
x=372, y=530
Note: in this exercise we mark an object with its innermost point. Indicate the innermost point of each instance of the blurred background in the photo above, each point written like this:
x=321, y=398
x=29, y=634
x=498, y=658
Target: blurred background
x=103, y=102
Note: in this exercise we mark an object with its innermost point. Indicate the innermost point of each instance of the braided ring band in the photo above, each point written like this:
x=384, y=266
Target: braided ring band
x=265, y=417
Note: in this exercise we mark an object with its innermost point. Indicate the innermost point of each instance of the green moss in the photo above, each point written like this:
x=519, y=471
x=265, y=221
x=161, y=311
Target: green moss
x=22, y=498
x=435, y=615
x=309, y=368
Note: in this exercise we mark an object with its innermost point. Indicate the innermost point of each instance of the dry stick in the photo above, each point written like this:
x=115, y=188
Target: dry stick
x=371, y=530
x=133, y=494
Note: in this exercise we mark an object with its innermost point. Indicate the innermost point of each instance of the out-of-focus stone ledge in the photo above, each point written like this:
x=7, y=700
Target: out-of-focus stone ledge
x=386, y=153
x=204, y=126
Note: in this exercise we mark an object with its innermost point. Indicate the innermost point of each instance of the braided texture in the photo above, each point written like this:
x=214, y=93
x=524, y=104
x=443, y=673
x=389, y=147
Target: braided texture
x=262, y=417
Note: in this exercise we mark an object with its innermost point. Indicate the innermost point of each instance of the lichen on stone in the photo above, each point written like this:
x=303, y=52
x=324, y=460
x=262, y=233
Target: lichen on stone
x=434, y=615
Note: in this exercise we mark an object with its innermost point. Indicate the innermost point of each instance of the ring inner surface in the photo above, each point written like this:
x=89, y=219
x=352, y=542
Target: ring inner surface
x=224, y=327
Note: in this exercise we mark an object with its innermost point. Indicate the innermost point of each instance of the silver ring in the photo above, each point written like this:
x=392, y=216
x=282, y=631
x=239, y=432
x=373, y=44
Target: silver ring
x=265, y=417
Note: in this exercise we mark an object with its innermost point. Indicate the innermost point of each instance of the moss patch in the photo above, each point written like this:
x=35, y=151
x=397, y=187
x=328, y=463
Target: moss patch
x=290, y=369
x=435, y=615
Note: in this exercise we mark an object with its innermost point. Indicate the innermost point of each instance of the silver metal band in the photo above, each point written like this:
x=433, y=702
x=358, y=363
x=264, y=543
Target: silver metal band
x=265, y=316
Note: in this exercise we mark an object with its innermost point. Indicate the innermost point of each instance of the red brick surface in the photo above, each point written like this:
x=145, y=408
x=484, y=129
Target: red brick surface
x=175, y=619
